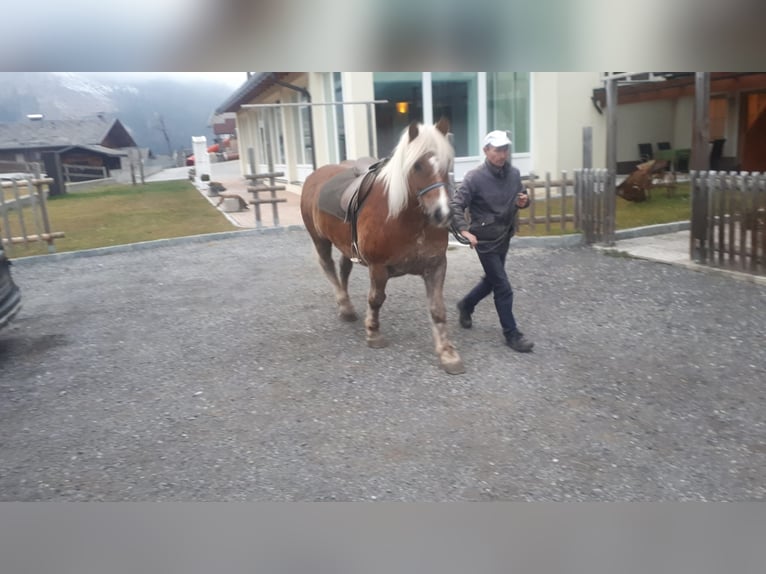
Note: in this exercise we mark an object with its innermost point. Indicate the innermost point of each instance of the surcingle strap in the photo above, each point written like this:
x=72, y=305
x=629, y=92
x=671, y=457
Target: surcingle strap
x=352, y=212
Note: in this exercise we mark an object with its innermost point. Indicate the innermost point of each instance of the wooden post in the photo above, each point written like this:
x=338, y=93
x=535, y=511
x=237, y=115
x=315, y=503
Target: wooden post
x=563, y=197
x=610, y=187
x=52, y=163
x=141, y=166
x=587, y=147
x=370, y=132
x=699, y=163
x=44, y=213
x=548, y=203
x=251, y=159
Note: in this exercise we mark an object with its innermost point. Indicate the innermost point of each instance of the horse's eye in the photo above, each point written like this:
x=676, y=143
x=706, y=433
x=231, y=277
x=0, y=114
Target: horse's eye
x=417, y=166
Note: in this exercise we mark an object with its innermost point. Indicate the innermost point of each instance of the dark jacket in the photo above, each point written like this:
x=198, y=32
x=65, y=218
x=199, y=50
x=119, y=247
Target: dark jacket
x=488, y=195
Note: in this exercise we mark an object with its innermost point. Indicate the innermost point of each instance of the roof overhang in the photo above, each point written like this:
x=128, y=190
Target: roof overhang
x=254, y=87
x=682, y=85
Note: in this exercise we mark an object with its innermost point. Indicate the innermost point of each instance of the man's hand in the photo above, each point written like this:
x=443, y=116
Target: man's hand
x=470, y=237
x=522, y=200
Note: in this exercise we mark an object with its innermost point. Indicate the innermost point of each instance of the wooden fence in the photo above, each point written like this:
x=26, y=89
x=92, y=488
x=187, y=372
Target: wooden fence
x=23, y=213
x=76, y=173
x=584, y=204
x=551, y=204
x=728, y=227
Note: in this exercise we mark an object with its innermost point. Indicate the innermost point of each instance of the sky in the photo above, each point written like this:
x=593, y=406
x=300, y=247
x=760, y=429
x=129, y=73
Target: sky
x=231, y=79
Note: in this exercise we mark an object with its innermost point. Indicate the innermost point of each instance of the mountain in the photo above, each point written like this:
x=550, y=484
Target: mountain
x=183, y=107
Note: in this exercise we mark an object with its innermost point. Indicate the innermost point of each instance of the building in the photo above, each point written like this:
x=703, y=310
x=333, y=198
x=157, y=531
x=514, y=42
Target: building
x=356, y=114
x=98, y=144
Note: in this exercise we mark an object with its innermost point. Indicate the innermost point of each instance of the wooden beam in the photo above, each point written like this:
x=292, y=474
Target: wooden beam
x=720, y=82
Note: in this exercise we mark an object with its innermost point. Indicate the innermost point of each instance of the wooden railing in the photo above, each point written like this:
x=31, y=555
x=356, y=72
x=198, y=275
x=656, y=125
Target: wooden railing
x=585, y=204
x=257, y=186
x=24, y=214
x=551, y=204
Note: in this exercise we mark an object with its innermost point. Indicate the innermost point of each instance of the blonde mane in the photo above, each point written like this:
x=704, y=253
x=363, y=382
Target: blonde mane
x=395, y=173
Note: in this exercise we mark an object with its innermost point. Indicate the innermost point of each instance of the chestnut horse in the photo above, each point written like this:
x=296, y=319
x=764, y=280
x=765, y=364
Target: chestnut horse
x=401, y=228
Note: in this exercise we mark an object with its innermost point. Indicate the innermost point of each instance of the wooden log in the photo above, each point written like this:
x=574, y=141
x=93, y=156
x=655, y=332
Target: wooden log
x=253, y=176
x=7, y=184
x=36, y=237
x=259, y=188
x=267, y=200
x=543, y=219
x=553, y=183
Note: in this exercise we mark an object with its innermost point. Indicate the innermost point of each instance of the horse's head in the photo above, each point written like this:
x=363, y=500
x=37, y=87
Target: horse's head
x=419, y=171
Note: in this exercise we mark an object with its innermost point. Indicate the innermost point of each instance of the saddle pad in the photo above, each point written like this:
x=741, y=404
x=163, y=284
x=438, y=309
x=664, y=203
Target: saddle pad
x=335, y=196
x=329, y=195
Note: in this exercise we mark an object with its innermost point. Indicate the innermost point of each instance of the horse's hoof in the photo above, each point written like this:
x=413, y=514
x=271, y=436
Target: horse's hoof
x=349, y=316
x=454, y=367
x=377, y=342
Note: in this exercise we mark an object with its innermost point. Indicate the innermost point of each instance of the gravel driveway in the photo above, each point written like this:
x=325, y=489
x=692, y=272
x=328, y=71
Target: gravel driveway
x=218, y=371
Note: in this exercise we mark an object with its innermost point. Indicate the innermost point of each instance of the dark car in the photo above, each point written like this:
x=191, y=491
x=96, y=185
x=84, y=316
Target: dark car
x=10, y=296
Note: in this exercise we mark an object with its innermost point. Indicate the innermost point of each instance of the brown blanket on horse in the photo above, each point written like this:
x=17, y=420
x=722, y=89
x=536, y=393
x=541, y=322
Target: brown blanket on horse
x=339, y=196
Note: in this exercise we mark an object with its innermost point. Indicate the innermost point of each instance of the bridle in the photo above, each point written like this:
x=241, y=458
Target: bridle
x=428, y=188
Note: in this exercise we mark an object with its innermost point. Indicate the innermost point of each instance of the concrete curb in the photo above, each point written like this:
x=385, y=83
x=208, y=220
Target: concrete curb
x=691, y=265
x=144, y=245
x=548, y=241
x=649, y=230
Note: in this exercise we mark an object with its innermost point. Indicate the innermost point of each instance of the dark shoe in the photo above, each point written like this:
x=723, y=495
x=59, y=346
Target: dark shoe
x=465, y=316
x=518, y=342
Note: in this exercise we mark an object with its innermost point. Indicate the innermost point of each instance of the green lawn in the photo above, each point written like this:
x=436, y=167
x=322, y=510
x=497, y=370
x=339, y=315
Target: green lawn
x=121, y=214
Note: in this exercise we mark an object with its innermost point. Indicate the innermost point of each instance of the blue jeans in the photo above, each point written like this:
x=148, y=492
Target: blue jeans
x=494, y=281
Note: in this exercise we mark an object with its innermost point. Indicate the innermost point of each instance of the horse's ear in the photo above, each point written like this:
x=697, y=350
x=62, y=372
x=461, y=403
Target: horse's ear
x=443, y=125
x=413, y=130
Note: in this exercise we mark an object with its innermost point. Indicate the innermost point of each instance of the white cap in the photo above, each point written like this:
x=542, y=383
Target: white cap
x=497, y=138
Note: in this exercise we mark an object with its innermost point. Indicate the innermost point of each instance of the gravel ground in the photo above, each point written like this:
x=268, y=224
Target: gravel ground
x=218, y=371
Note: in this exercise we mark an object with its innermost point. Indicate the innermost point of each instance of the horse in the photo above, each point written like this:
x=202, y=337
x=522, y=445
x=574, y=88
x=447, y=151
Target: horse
x=400, y=228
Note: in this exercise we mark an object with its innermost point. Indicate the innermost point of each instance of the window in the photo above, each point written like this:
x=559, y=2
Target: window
x=271, y=150
x=508, y=106
x=404, y=92
x=455, y=96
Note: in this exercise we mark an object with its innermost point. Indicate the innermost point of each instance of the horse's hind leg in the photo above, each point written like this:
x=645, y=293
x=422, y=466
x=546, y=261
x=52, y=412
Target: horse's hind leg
x=375, y=299
x=448, y=355
x=347, y=310
x=324, y=250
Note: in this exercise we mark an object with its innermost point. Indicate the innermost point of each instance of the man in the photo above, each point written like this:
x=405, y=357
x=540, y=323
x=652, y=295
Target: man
x=492, y=193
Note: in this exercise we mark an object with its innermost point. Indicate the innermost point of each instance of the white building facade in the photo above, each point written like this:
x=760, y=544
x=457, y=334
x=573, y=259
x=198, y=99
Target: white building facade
x=544, y=111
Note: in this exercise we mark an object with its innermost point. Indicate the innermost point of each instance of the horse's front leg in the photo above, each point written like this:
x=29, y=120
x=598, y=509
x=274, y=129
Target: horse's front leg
x=448, y=355
x=378, y=280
